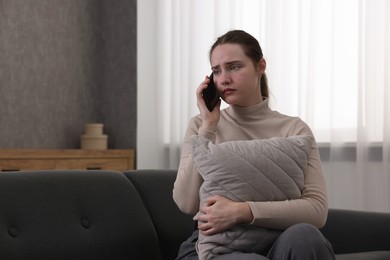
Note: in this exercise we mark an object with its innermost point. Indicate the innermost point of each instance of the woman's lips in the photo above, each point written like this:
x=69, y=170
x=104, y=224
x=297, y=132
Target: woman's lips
x=228, y=91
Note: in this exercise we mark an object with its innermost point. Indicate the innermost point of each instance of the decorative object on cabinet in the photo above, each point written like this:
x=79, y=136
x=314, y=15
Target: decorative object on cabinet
x=94, y=139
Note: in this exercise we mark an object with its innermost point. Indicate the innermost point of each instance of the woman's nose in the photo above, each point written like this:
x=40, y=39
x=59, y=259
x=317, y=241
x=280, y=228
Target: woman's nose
x=225, y=78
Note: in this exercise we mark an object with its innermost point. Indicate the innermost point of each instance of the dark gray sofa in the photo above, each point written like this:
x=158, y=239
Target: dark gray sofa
x=131, y=215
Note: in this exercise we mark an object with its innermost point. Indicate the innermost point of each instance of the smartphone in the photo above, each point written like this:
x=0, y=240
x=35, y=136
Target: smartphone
x=210, y=94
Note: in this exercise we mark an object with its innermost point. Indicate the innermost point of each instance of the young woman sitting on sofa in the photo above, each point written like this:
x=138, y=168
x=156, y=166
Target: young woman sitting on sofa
x=238, y=69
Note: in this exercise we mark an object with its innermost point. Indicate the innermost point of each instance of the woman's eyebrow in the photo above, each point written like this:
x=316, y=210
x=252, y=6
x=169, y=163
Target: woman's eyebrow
x=226, y=64
x=232, y=62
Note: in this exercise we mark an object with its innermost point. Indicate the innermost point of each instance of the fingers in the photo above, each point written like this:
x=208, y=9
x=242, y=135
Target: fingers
x=208, y=232
x=199, y=95
x=209, y=202
x=207, y=229
x=202, y=86
x=204, y=226
x=213, y=199
x=209, y=118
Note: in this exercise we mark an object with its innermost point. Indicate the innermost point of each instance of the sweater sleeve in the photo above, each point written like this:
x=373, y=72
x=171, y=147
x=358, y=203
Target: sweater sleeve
x=188, y=180
x=311, y=208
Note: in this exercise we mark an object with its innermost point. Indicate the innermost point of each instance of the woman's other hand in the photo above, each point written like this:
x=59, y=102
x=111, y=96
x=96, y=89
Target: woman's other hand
x=209, y=119
x=219, y=214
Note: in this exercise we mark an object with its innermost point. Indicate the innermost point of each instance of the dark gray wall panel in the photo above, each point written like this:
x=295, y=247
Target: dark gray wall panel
x=117, y=71
x=64, y=64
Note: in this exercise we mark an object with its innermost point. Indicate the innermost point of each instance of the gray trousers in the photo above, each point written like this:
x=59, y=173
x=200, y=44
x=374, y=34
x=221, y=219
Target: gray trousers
x=301, y=241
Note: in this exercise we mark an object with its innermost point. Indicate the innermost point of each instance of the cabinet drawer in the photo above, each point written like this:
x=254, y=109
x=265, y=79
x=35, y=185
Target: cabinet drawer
x=66, y=159
x=117, y=164
x=25, y=164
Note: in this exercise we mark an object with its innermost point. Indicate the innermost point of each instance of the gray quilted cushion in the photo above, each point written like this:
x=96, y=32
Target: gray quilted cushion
x=256, y=170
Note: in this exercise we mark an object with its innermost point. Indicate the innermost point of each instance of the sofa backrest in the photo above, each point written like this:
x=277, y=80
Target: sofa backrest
x=73, y=215
x=172, y=226
x=351, y=231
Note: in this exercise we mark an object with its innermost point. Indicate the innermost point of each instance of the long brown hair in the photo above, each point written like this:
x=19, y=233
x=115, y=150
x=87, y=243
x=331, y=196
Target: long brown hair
x=251, y=49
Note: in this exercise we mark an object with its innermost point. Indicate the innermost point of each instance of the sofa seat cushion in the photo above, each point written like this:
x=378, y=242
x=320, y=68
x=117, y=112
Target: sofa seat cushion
x=374, y=255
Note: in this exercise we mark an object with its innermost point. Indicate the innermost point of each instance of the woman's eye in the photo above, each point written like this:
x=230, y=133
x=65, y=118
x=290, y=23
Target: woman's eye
x=234, y=67
x=215, y=72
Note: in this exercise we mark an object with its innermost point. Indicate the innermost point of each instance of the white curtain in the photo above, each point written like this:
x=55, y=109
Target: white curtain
x=328, y=62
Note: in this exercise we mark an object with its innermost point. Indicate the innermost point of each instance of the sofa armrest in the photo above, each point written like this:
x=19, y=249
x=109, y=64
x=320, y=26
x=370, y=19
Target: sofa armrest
x=351, y=231
x=172, y=226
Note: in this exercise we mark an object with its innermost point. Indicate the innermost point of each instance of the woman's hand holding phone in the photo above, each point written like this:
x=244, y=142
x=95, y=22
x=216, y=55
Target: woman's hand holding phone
x=210, y=94
x=208, y=103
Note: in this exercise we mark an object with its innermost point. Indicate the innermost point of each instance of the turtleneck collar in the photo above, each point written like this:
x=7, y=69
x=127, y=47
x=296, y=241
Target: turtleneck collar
x=259, y=111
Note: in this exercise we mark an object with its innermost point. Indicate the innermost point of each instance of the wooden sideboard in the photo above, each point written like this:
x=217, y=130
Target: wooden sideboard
x=68, y=159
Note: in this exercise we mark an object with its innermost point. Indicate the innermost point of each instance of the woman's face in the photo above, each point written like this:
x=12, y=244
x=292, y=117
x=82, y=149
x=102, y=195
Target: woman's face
x=235, y=75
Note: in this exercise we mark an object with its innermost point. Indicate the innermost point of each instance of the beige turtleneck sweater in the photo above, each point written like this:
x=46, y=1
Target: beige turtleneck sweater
x=256, y=122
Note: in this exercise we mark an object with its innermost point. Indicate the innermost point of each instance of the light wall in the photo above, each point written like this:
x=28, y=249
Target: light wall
x=149, y=156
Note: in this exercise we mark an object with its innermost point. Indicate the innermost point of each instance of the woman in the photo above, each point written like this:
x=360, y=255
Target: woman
x=238, y=67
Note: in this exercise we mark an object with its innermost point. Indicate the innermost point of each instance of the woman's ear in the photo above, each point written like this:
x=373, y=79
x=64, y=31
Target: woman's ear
x=261, y=66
